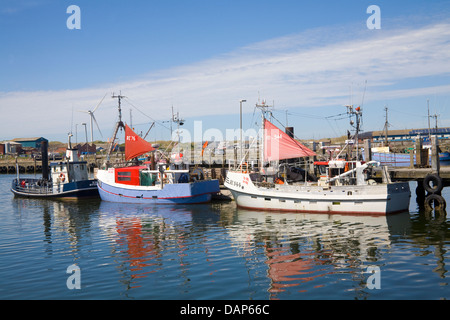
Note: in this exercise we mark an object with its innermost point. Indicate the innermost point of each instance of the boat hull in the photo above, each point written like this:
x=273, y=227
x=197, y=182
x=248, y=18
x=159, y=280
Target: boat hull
x=177, y=193
x=378, y=199
x=71, y=190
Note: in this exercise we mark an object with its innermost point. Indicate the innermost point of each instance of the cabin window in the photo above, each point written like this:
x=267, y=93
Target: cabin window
x=124, y=176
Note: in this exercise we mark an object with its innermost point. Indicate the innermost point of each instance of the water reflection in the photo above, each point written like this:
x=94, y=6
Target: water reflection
x=219, y=252
x=300, y=248
x=64, y=222
x=148, y=238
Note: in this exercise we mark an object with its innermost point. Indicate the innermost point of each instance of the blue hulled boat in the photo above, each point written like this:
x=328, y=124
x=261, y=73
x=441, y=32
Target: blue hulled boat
x=67, y=179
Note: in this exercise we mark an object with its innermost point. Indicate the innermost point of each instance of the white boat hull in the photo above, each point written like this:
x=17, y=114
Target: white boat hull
x=380, y=199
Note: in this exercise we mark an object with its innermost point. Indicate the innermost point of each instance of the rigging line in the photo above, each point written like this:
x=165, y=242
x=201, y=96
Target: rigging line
x=156, y=121
x=298, y=114
x=296, y=142
x=332, y=128
x=338, y=115
x=411, y=114
x=253, y=118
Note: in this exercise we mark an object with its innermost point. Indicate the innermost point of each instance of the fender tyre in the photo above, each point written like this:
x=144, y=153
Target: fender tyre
x=436, y=202
x=433, y=184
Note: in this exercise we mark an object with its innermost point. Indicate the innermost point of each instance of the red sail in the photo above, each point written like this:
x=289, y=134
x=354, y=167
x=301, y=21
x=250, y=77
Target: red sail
x=278, y=145
x=135, y=145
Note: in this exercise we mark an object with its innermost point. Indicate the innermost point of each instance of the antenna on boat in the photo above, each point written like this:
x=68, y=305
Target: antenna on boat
x=386, y=126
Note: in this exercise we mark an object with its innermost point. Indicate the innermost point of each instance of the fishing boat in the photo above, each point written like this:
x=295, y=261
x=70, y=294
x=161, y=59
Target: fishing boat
x=67, y=179
x=343, y=187
x=162, y=180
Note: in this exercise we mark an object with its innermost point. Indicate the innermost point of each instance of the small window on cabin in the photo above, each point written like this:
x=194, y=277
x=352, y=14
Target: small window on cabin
x=124, y=176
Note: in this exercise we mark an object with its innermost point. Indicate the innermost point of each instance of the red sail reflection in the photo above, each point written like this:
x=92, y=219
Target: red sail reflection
x=290, y=269
x=141, y=247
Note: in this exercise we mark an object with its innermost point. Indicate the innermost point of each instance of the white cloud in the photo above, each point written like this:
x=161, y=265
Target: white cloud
x=296, y=70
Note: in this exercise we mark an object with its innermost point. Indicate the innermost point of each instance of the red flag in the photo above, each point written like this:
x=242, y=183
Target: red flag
x=135, y=145
x=278, y=145
x=204, y=147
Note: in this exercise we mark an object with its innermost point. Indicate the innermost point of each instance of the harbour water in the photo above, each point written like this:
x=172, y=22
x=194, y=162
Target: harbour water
x=216, y=252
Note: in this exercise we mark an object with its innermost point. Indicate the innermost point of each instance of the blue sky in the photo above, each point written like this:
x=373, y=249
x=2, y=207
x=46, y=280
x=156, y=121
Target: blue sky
x=308, y=58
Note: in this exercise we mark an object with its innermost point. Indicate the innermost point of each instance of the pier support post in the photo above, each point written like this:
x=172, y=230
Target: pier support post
x=420, y=193
x=367, y=150
x=418, y=147
x=435, y=164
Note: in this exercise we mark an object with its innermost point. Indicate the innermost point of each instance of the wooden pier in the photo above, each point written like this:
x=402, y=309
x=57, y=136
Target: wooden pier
x=430, y=176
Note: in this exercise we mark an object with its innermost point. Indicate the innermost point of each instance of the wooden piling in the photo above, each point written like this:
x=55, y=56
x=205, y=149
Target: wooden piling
x=435, y=163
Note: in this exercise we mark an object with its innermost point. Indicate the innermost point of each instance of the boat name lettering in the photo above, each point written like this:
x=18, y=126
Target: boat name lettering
x=131, y=138
x=233, y=183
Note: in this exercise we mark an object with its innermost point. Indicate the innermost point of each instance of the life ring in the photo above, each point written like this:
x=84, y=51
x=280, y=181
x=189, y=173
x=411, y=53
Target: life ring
x=62, y=177
x=433, y=183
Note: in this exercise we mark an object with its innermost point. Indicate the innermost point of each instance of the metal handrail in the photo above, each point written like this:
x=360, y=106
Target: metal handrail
x=31, y=186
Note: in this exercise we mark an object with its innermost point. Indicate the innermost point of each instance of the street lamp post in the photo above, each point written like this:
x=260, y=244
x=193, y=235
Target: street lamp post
x=240, y=103
x=85, y=131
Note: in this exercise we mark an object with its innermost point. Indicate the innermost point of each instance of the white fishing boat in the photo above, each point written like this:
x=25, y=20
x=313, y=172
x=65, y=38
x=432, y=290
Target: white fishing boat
x=344, y=187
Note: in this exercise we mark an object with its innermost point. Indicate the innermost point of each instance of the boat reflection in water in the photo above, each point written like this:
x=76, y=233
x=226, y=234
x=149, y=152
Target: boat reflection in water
x=302, y=248
x=148, y=238
x=281, y=252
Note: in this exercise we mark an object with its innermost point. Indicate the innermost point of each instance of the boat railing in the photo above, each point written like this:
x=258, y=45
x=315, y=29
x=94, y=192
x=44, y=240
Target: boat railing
x=34, y=186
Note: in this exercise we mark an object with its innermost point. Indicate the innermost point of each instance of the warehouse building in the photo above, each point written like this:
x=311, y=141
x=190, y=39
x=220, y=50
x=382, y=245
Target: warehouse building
x=30, y=142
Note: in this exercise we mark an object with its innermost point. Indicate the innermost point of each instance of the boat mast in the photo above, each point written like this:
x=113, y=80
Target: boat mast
x=119, y=124
x=264, y=109
x=357, y=113
x=176, y=119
